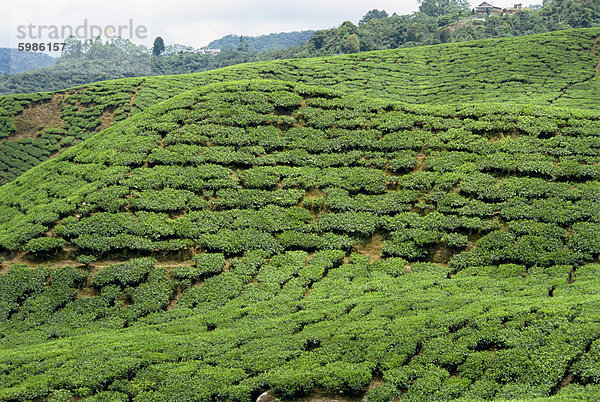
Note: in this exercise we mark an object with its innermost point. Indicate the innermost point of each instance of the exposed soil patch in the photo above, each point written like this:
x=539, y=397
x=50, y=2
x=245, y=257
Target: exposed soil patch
x=124, y=301
x=176, y=297
x=420, y=166
x=310, y=201
x=313, y=194
x=108, y=118
x=454, y=27
x=132, y=100
x=87, y=292
x=12, y=260
x=566, y=380
x=440, y=254
x=324, y=396
x=375, y=382
x=267, y=397
x=593, y=51
x=46, y=113
x=372, y=248
x=473, y=239
x=569, y=232
x=60, y=260
x=571, y=277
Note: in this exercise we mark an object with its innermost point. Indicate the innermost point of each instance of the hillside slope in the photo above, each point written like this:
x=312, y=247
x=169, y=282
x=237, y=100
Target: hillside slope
x=295, y=239
x=560, y=68
x=13, y=61
x=263, y=43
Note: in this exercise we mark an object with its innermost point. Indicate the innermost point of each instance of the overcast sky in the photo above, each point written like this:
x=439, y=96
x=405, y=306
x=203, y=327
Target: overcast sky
x=193, y=23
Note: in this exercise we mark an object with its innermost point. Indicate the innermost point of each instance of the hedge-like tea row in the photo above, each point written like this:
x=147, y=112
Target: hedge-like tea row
x=295, y=322
x=555, y=68
x=420, y=256
x=456, y=185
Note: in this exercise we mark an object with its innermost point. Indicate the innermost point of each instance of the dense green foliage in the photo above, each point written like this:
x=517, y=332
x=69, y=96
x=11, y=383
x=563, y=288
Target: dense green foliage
x=478, y=335
x=556, y=68
x=83, y=64
x=438, y=8
x=91, y=61
x=326, y=241
x=442, y=21
x=263, y=43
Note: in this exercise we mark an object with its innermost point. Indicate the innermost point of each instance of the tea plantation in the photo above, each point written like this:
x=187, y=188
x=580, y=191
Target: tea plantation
x=558, y=68
x=259, y=235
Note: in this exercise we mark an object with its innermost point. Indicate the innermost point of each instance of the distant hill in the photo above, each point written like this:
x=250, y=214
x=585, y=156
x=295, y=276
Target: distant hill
x=13, y=61
x=262, y=43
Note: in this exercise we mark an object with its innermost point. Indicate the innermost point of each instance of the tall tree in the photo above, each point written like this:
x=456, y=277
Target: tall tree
x=351, y=44
x=373, y=15
x=243, y=46
x=73, y=48
x=159, y=46
x=437, y=8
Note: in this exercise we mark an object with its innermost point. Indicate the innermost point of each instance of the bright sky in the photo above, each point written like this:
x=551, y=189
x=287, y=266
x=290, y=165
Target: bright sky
x=188, y=22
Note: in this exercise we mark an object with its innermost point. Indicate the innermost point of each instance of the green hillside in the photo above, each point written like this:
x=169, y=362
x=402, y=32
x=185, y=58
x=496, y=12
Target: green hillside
x=436, y=22
x=263, y=43
x=262, y=235
x=559, y=68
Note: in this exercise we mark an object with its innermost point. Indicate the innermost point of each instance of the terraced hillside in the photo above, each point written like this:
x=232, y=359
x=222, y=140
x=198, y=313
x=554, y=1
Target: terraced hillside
x=260, y=236
x=559, y=68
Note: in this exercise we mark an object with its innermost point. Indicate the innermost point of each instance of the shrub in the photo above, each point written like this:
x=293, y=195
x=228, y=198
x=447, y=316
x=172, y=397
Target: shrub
x=382, y=393
x=404, y=249
x=67, y=277
x=291, y=383
x=249, y=264
x=124, y=274
x=44, y=244
x=7, y=126
x=292, y=239
x=167, y=199
x=208, y=264
x=17, y=285
x=86, y=259
x=362, y=223
x=391, y=266
x=238, y=241
x=455, y=240
x=216, y=290
x=259, y=177
x=344, y=376
x=186, y=272
x=154, y=295
x=586, y=238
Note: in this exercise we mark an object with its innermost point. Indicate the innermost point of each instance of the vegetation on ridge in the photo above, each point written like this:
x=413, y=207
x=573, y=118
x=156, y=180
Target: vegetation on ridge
x=436, y=22
x=558, y=68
